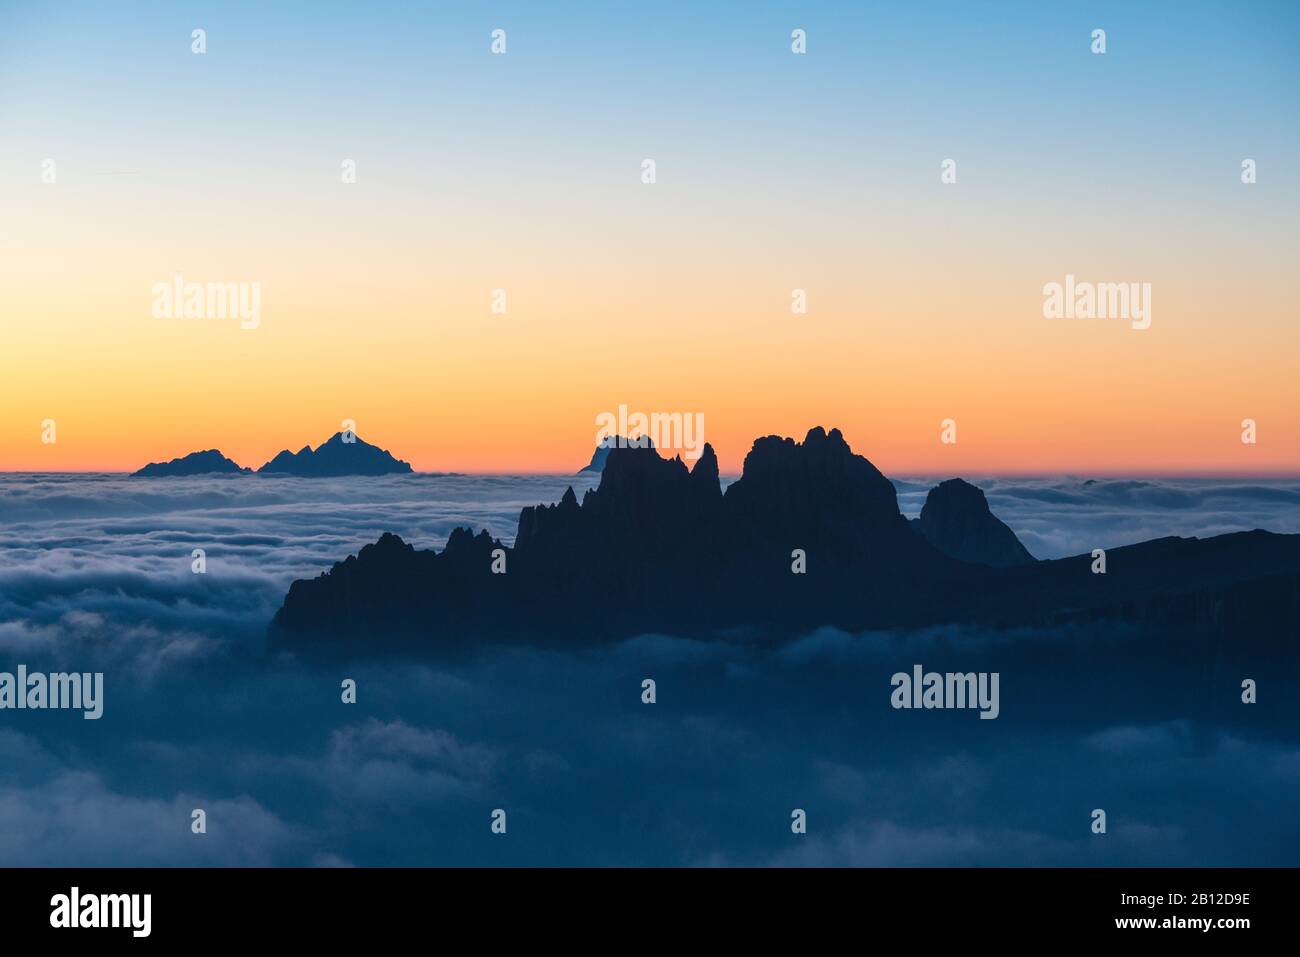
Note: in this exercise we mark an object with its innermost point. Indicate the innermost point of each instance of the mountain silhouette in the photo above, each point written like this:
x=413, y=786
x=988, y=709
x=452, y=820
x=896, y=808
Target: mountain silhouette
x=206, y=462
x=956, y=520
x=597, y=463
x=342, y=454
x=810, y=535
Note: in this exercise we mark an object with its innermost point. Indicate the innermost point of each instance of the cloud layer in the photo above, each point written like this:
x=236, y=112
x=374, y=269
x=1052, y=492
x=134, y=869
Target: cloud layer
x=1069, y=516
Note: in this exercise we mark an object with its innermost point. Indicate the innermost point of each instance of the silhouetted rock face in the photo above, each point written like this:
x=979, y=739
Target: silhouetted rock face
x=1240, y=591
x=956, y=520
x=601, y=455
x=815, y=494
x=336, y=457
x=705, y=477
x=643, y=534
x=207, y=462
x=658, y=547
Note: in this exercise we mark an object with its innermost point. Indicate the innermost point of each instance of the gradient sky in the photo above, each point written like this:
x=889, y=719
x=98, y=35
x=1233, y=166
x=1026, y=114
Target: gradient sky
x=775, y=171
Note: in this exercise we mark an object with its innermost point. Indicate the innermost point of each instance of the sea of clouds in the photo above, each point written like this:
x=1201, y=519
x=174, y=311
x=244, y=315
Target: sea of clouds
x=1058, y=517
x=95, y=575
x=82, y=553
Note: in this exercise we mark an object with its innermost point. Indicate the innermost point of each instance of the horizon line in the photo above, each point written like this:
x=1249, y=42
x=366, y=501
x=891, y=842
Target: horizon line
x=902, y=475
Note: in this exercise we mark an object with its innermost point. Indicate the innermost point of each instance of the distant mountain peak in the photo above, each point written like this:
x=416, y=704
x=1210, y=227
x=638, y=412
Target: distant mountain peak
x=340, y=454
x=207, y=462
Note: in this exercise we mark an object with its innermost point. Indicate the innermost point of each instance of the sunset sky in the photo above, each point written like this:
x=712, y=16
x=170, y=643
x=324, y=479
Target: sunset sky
x=775, y=171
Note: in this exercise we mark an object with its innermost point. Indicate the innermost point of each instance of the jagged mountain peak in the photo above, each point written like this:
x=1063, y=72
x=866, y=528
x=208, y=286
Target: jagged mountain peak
x=601, y=455
x=956, y=519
